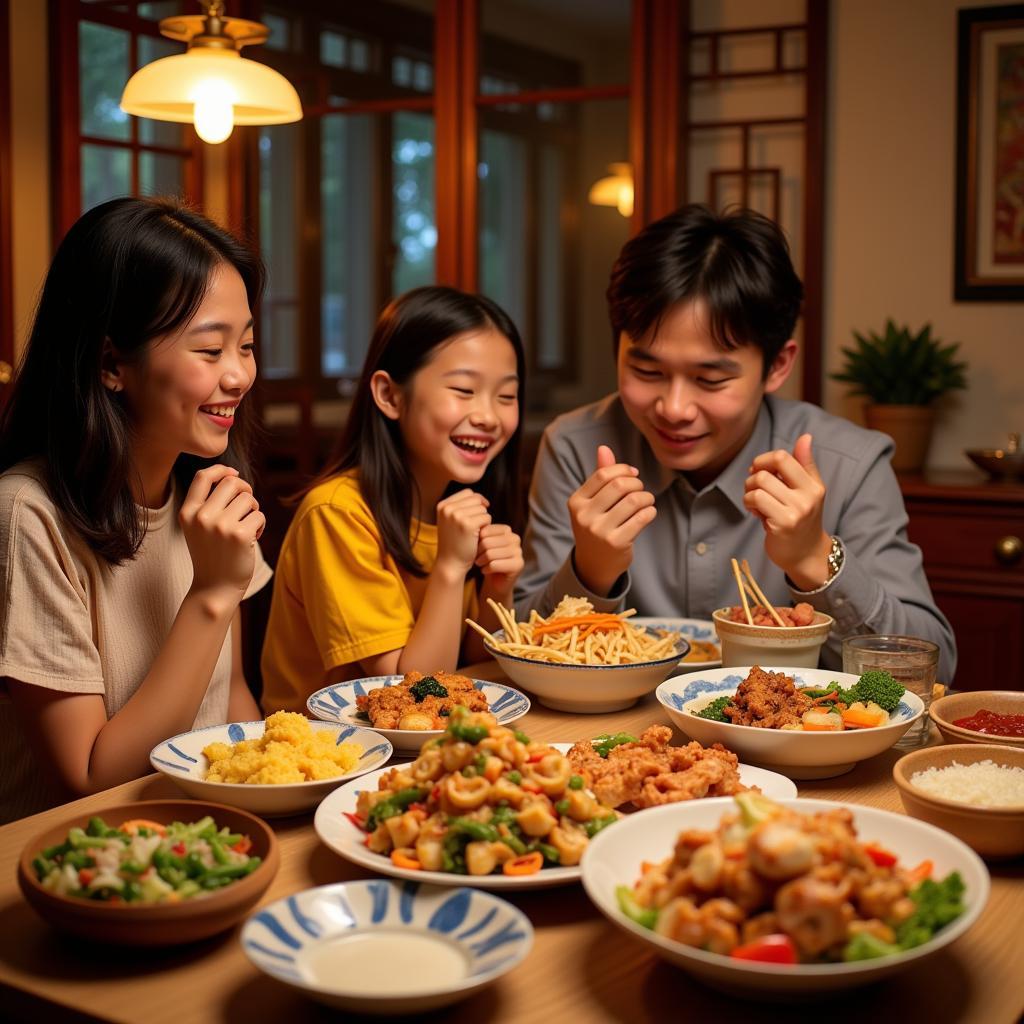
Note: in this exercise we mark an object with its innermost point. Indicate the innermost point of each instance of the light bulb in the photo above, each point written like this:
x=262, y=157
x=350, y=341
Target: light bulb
x=213, y=110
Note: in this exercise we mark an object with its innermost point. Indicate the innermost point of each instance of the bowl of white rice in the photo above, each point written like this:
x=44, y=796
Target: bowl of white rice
x=973, y=790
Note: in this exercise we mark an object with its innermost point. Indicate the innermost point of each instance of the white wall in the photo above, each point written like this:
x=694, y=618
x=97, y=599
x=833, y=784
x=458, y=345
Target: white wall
x=890, y=231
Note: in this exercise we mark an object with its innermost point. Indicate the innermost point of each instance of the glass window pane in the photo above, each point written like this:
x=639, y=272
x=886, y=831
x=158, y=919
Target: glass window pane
x=106, y=173
x=502, y=173
x=279, y=198
x=158, y=9
x=161, y=133
x=359, y=51
x=333, y=49
x=551, y=188
x=414, y=224
x=102, y=73
x=346, y=216
x=282, y=35
x=161, y=174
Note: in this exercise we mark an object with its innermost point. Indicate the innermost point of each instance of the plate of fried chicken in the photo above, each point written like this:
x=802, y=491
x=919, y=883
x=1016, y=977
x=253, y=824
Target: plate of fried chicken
x=635, y=772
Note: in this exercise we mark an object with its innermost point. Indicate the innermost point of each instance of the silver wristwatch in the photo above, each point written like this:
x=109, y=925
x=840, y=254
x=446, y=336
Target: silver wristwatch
x=835, y=557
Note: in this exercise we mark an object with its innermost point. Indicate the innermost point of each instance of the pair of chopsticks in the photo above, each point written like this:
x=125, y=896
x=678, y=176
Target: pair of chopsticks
x=755, y=592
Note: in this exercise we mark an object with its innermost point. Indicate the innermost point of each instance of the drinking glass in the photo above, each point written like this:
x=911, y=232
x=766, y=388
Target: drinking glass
x=910, y=660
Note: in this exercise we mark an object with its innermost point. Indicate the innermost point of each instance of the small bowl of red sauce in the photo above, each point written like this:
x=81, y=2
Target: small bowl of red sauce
x=981, y=716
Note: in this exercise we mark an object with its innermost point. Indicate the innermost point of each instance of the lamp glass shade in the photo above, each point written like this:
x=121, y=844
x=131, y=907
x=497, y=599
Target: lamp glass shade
x=169, y=89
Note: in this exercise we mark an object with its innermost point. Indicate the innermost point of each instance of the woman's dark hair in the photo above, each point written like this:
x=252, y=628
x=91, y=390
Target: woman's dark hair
x=128, y=271
x=737, y=263
x=407, y=333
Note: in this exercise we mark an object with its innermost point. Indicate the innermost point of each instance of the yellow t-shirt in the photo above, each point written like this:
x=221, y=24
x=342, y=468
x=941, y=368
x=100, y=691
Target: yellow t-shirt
x=339, y=596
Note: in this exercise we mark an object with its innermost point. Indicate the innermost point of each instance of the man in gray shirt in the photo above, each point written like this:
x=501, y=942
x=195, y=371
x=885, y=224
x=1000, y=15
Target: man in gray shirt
x=643, y=497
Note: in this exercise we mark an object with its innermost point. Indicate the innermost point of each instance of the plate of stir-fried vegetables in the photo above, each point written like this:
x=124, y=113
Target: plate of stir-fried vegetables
x=149, y=873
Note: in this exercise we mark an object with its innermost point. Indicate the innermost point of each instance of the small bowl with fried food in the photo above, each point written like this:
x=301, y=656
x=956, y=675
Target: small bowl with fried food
x=411, y=709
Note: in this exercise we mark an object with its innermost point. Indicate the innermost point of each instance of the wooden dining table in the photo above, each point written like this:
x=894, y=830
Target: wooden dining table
x=581, y=969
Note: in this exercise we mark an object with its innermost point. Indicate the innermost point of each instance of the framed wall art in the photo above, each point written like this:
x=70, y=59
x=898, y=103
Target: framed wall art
x=989, y=257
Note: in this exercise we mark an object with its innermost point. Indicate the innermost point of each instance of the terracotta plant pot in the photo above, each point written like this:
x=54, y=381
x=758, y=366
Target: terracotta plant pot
x=910, y=427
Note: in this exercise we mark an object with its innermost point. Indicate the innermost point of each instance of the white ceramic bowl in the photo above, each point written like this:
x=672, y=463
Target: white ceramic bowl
x=743, y=644
x=586, y=689
x=181, y=759
x=338, y=704
x=341, y=944
x=800, y=755
x=702, y=630
x=615, y=856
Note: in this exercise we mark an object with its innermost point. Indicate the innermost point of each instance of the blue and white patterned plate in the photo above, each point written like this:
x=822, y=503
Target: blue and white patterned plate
x=181, y=758
x=340, y=944
x=702, y=630
x=338, y=704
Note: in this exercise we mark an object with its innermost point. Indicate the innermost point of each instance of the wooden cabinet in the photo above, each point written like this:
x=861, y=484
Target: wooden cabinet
x=972, y=536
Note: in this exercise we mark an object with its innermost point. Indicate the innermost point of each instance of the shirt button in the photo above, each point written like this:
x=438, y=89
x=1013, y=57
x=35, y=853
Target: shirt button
x=701, y=548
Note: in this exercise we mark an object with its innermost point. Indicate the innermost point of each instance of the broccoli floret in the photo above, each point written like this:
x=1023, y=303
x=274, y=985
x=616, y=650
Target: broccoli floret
x=715, y=710
x=938, y=903
x=428, y=686
x=865, y=946
x=879, y=686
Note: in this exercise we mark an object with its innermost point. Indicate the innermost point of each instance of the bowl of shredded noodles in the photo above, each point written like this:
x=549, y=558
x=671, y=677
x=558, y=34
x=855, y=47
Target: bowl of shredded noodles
x=578, y=659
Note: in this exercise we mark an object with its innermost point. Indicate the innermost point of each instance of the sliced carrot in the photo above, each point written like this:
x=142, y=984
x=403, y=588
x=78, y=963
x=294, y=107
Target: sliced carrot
x=527, y=864
x=861, y=720
x=244, y=845
x=920, y=873
x=403, y=860
x=134, y=824
x=594, y=618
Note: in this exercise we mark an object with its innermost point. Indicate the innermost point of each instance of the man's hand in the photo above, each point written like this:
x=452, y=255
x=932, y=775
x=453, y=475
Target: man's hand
x=608, y=512
x=786, y=493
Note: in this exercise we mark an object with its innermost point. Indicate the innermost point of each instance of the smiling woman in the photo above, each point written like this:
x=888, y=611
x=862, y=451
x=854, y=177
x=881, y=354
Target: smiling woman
x=417, y=511
x=128, y=534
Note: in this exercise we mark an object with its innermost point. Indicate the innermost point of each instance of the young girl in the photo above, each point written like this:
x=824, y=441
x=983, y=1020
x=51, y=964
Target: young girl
x=128, y=535
x=407, y=531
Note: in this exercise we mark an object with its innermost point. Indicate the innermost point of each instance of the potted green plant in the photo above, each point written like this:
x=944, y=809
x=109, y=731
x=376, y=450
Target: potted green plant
x=902, y=374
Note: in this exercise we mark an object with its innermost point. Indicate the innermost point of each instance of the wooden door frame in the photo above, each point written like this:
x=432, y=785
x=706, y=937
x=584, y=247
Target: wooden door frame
x=6, y=194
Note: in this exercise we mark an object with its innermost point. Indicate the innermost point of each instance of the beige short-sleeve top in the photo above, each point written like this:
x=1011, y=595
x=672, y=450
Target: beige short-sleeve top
x=70, y=621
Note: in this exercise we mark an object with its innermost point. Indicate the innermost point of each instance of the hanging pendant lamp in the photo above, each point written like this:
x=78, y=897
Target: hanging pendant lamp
x=615, y=190
x=212, y=85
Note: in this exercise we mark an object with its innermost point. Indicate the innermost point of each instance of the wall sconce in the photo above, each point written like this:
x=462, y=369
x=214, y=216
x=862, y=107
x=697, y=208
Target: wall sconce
x=615, y=190
x=211, y=84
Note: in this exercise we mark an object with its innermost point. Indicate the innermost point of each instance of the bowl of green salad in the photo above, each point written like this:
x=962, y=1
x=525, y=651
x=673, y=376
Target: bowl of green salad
x=149, y=873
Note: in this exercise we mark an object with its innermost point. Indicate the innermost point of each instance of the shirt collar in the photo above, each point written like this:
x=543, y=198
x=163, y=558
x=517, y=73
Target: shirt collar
x=731, y=482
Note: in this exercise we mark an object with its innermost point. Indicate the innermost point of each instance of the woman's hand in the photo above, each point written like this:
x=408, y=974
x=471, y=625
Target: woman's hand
x=460, y=518
x=787, y=494
x=500, y=557
x=608, y=512
x=221, y=521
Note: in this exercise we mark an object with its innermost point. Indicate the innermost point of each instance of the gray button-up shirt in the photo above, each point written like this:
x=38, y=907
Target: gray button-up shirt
x=681, y=560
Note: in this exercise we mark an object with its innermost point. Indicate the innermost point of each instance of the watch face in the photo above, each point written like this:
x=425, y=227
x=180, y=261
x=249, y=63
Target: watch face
x=835, y=557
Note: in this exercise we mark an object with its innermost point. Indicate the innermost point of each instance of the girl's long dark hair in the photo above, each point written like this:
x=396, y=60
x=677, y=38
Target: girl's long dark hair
x=128, y=271
x=406, y=335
